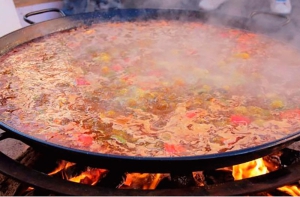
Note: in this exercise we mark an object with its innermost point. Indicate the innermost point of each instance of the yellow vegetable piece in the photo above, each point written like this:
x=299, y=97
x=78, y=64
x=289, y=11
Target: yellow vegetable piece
x=101, y=115
x=166, y=136
x=206, y=87
x=140, y=92
x=151, y=95
x=255, y=110
x=277, y=104
x=241, y=110
x=105, y=57
x=259, y=122
x=123, y=91
x=226, y=87
x=61, y=101
x=110, y=113
x=243, y=55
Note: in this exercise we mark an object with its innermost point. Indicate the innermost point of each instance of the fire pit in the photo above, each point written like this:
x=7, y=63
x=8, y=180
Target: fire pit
x=150, y=130
x=35, y=181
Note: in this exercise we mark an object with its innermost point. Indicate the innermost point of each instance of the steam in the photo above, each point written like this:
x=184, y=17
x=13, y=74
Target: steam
x=165, y=4
x=278, y=66
x=266, y=24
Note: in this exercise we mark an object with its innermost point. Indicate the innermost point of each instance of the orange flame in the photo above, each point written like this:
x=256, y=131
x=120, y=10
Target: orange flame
x=62, y=165
x=249, y=169
x=143, y=181
x=291, y=190
x=91, y=176
x=29, y=189
x=259, y=167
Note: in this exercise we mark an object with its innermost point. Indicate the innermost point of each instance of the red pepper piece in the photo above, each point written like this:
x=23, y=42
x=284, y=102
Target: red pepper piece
x=81, y=82
x=238, y=119
x=86, y=140
x=171, y=148
x=191, y=114
x=290, y=114
x=117, y=68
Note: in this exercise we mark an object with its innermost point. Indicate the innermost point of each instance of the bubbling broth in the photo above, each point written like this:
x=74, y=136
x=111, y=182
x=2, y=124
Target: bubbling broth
x=152, y=89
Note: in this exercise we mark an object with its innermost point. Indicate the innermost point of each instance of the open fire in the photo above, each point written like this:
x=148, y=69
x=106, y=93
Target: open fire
x=92, y=176
x=147, y=181
x=260, y=167
x=89, y=176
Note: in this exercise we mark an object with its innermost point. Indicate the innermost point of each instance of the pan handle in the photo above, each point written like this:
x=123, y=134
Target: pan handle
x=41, y=12
x=286, y=17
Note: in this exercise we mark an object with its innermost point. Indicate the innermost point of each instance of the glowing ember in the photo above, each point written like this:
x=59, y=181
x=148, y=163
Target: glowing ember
x=259, y=167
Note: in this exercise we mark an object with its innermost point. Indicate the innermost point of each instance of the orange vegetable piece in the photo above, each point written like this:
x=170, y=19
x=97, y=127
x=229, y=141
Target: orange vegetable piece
x=72, y=98
x=91, y=31
x=179, y=82
x=57, y=121
x=105, y=69
x=243, y=55
x=122, y=120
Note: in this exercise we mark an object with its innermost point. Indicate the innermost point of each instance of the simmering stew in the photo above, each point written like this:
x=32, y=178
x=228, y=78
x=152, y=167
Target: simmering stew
x=152, y=89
